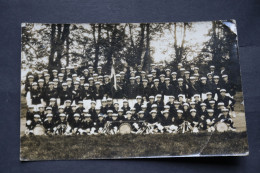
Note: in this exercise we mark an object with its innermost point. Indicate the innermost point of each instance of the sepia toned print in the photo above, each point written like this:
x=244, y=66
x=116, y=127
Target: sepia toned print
x=127, y=90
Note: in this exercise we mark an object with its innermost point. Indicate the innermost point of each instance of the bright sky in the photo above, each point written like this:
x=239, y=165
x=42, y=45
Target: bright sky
x=163, y=46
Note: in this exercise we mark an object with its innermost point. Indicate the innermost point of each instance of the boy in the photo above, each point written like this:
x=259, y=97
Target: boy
x=49, y=124
x=61, y=125
x=114, y=124
x=100, y=124
x=225, y=117
x=87, y=126
x=32, y=124
x=154, y=125
x=210, y=121
x=137, y=105
x=75, y=124
x=194, y=121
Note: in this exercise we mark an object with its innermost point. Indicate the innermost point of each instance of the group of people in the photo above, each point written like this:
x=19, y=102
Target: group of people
x=80, y=101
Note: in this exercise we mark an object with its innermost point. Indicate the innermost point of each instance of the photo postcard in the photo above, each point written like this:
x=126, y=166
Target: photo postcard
x=131, y=90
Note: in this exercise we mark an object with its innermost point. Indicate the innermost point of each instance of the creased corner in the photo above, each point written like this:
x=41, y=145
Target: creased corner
x=231, y=24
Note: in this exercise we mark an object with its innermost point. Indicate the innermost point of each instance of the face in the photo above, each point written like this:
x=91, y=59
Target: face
x=97, y=111
x=225, y=78
x=216, y=80
x=100, y=118
x=132, y=81
x=223, y=94
x=62, y=118
x=211, y=114
x=114, y=118
x=166, y=115
x=120, y=113
x=153, y=115
x=144, y=84
x=69, y=82
x=209, y=96
x=49, y=118
x=225, y=113
x=179, y=115
x=76, y=118
x=41, y=84
x=65, y=87
x=31, y=109
x=193, y=114
x=203, y=81
x=73, y=108
x=129, y=116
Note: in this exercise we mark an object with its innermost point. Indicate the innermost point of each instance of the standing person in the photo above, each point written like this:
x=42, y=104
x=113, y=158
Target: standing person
x=229, y=86
x=156, y=88
x=64, y=94
x=50, y=92
x=36, y=96
x=75, y=93
x=131, y=89
x=145, y=90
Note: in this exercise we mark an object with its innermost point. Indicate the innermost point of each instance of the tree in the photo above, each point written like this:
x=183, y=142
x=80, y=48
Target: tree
x=59, y=34
x=221, y=45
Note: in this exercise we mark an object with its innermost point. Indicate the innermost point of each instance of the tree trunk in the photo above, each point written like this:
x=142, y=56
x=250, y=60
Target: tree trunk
x=57, y=44
x=147, y=58
x=67, y=51
x=141, y=44
x=97, y=45
x=51, y=57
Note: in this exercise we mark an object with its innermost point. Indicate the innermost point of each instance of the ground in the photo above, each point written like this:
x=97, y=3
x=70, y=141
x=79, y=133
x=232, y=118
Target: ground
x=118, y=146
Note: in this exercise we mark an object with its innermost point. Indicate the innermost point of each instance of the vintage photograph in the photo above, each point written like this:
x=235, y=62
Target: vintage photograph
x=131, y=90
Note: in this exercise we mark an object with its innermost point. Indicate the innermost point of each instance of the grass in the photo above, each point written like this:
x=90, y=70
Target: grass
x=123, y=146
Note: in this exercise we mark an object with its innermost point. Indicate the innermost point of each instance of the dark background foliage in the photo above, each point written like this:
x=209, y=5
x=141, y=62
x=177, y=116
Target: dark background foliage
x=14, y=12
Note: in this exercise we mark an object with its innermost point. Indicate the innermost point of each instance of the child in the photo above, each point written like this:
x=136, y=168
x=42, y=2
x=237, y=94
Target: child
x=100, y=124
x=225, y=117
x=49, y=124
x=114, y=124
x=75, y=124
x=194, y=121
x=87, y=126
x=61, y=125
x=32, y=124
x=210, y=121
